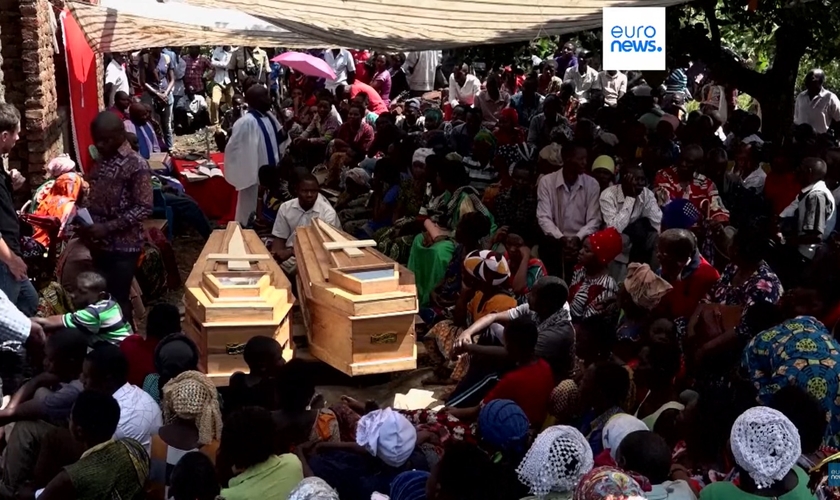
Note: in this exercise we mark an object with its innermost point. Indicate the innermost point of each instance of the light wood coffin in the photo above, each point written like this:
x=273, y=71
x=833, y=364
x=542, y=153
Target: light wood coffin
x=236, y=291
x=358, y=305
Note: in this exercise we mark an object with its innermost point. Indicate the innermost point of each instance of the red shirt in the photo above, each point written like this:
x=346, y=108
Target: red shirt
x=682, y=299
x=140, y=354
x=529, y=387
x=781, y=190
x=375, y=102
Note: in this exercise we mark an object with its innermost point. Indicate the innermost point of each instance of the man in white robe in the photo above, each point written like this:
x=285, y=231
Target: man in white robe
x=252, y=144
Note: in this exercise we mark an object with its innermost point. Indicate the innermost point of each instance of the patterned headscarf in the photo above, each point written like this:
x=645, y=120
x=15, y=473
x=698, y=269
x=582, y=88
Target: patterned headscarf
x=59, y=165
x=313, y=488
x=503, y=425
x=558, y=459
x=766, y=444
x=359, y=176
x=552, y=154
x=646, y=289
x=510, y=114
x=486, y=137
x=192, y=396
x=606, y=245
x=409, y=485
x=488, y=267
x=603, y=482
x=434, y=114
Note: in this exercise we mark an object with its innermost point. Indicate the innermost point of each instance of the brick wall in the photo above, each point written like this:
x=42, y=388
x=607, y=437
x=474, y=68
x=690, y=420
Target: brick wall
x=43, y=129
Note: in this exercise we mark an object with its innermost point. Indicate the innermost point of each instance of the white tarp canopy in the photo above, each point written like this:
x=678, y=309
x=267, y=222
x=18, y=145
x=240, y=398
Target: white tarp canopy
x=127, y=25
x=119, y=25
x=429, y=24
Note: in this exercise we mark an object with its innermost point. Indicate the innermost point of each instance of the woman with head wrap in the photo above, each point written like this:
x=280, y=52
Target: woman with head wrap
x=385, y=446
x=352, y=204
x=616, y=429
x=409, y=485
x=550, y=159
x=174, y=355
x=192, y=422
x=313, y=488
x=432, y=250
x=608, y=482
x=507, y=130
x=555, y=464
x=486, y=276
x=592, y=291
x=638, y=295
x=765, y=446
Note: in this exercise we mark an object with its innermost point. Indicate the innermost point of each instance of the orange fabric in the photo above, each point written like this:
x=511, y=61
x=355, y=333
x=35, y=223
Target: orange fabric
x=322, y=426
x=59, y=202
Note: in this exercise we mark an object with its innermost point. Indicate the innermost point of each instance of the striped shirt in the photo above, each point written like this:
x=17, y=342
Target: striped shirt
x=102, y=321
x=677, y=81
x=480, y=176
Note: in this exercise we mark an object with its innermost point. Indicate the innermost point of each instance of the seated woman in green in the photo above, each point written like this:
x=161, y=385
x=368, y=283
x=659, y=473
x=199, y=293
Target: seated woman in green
x=432, y=250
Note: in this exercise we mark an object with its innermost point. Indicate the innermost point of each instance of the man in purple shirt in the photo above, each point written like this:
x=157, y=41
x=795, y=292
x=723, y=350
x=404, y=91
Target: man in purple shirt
x=566, y=58
x=120, y=200
x=568, y=210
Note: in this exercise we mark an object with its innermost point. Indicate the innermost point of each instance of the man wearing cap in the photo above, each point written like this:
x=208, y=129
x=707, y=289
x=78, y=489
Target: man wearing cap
x=603, y=170
x=631, y=208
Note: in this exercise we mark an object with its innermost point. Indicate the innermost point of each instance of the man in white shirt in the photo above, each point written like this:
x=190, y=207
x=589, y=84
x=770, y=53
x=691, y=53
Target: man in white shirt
x=614, y=85
x=106, y=370
x=816, y=106
x=583, y=76
x=463, y=87
x=421, y=67
x=631, y=209
x=221, y=88
x=568, y=210
x=116, y=79
x=296, y=213
x=342, y=62
x=252, y=144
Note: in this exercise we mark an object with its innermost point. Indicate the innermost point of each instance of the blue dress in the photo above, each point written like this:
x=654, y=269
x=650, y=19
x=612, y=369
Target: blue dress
x=801, y=352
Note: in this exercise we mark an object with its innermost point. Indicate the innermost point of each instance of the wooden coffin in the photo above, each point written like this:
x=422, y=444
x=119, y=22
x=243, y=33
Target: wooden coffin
x=358, y=305
x=236, y=291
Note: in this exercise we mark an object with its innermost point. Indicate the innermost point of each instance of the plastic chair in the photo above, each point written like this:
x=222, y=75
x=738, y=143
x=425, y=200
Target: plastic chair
x=160, y=210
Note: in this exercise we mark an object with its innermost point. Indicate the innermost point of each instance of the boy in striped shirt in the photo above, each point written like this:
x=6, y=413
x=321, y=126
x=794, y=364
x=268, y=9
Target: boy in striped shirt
x=97, y=315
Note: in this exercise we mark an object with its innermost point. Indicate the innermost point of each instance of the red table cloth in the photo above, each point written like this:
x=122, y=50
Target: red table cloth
x=215, y=196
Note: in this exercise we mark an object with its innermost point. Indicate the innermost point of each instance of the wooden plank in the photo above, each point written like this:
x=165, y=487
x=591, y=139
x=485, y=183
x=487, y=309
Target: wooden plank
x=341, y=245
x=236, y=247
x=229, y=258
x=330, y=336
x=257, y=247
x=389, y=366
x=323, y=257
x=335, y=236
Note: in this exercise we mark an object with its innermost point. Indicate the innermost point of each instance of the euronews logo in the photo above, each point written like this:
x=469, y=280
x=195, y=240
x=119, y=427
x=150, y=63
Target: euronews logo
x=634, y=39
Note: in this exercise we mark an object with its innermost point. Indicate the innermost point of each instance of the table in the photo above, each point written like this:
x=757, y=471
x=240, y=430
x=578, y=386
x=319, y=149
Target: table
x=214, y=196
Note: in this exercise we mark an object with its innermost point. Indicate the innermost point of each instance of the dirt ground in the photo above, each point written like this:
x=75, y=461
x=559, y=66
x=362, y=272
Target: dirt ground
x=331, y=383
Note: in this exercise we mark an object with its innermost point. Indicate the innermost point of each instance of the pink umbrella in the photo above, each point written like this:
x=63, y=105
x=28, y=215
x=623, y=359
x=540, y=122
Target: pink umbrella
x=306, y=64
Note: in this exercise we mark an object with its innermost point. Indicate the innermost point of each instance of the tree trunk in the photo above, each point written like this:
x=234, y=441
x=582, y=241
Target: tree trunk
x=775, y=90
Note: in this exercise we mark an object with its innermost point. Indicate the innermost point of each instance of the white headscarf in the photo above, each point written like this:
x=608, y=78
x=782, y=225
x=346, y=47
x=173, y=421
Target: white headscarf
x=559, y=457
x=313, y=488
x=421, y=154
x=388, y=435
x=617, y=428
x=765, y=444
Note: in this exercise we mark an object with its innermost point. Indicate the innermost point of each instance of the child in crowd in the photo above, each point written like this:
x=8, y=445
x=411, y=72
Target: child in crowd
x=97, y=314
x=264, y=356
x=163, y=320
x=646, y=453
